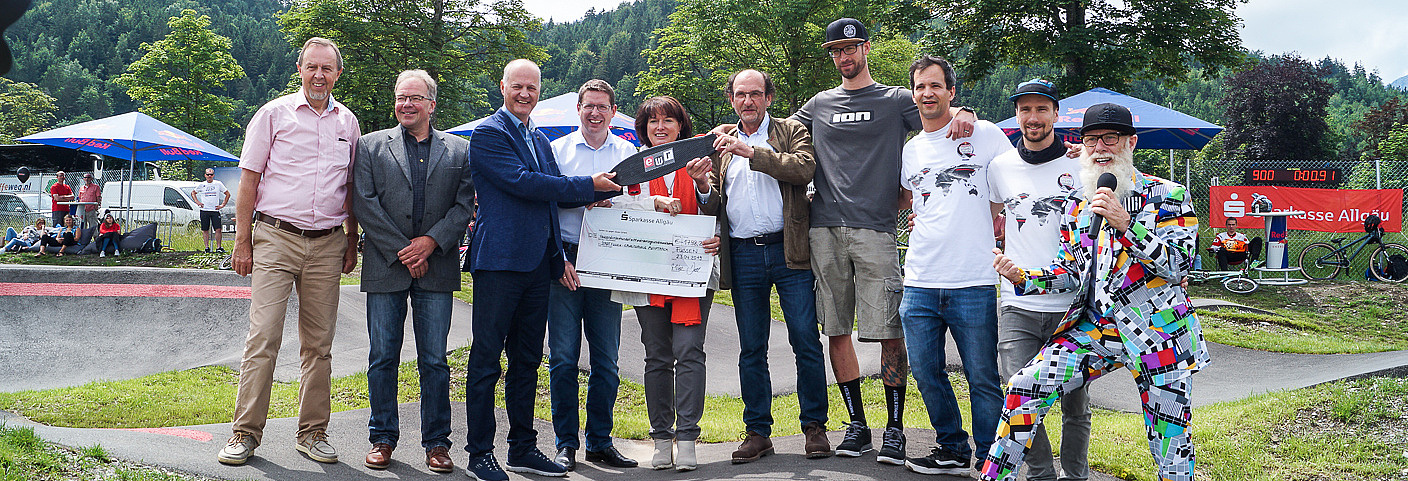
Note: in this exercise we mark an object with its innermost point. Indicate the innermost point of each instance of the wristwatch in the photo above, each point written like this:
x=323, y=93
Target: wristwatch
x=968, y=109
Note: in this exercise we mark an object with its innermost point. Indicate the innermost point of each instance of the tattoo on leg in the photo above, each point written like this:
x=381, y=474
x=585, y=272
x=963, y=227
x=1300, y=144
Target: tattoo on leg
x=894, y=363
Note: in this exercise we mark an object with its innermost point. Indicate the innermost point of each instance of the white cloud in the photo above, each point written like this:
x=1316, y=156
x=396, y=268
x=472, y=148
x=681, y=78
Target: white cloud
x=1369, y=32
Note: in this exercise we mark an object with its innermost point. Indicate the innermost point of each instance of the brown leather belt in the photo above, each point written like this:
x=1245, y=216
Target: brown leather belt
x=287, y=227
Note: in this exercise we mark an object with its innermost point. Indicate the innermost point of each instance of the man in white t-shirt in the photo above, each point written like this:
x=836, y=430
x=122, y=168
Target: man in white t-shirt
x=211, y=196
x=1034, y=182
x=948, y=278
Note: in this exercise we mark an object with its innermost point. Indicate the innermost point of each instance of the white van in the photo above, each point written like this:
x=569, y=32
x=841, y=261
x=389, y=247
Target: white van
x=148, y=196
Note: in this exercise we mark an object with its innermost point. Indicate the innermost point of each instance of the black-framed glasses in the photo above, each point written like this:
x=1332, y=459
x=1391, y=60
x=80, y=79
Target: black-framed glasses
x=207, y=174
x=412, y=98
x=839, y=51
x=1107, y=139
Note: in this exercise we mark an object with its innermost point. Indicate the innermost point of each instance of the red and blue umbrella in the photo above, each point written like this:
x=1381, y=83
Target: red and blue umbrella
x=134, y=136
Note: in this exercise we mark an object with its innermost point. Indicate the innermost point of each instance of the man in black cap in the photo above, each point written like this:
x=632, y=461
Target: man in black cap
x=1124, y=252
x=1033, y=183
x=859, y=130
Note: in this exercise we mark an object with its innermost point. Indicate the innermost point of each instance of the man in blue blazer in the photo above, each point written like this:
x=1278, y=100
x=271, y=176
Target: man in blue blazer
x=514, y=256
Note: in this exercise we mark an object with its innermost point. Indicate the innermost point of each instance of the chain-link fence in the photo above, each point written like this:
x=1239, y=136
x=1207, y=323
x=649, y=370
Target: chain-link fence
x=1199, y=175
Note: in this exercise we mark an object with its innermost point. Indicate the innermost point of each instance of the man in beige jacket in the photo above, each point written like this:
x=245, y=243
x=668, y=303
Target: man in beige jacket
x=759, y=193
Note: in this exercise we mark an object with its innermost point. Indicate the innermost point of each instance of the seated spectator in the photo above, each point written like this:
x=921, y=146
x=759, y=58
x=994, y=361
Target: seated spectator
x=109, y=233
x=62, y=237
x=1232, y=247
x=15, y=242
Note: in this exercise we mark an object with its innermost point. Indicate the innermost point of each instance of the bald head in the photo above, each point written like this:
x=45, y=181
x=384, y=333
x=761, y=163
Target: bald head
x=520, y=87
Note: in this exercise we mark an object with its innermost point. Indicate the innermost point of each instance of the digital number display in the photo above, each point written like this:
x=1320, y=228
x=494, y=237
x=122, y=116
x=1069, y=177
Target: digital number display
x=1287, y=176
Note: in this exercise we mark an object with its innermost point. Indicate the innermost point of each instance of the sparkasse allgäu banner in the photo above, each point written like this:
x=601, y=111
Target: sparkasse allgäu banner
x=1326, y=210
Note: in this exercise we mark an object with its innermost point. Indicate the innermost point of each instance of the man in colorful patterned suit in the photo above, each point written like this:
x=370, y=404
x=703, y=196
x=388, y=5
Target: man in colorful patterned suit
x=1124, y=251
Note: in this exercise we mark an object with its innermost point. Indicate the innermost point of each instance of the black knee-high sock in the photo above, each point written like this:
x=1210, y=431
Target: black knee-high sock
x=894, y=405
x=850, y=395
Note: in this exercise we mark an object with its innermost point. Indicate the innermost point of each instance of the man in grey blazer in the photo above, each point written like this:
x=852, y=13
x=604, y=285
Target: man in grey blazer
x=414, y=190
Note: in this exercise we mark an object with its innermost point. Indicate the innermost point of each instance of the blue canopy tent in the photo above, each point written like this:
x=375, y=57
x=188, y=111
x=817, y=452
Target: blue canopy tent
x=1158, y=127
x=134, y=136
x=557, y=116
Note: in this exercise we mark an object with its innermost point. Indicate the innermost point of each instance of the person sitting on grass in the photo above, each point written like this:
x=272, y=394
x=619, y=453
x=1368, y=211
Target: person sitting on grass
x=63, y=237
x=16, y=242
x=109, y=233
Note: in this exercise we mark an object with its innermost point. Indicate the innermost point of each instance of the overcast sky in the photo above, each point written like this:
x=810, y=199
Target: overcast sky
x=1371, y=32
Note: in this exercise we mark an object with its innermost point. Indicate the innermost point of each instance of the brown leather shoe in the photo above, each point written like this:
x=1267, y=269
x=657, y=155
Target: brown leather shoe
x=754, y=446
x=818, y=446
x=380, y=456
x=438, y=459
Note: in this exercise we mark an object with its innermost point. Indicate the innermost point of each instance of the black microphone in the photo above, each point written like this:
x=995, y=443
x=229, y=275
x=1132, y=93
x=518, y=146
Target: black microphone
x=1106, y=180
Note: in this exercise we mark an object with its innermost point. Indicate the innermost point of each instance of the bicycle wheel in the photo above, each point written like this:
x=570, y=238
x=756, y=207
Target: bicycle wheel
x=1319, y=261
x=1379, y=262
x=1240, y=285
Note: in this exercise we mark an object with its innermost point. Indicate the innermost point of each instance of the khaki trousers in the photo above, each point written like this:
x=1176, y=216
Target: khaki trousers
x=284, y=261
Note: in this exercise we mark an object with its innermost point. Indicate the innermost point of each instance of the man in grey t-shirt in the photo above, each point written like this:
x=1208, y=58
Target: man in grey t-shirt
x=859, y=130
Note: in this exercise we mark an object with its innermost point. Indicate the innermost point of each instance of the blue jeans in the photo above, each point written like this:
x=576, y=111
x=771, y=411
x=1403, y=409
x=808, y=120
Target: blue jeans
x=570, y=315
x=509, y=318
x=386, y=328
x=386, y=321
x=755, y=270
x=970, y=315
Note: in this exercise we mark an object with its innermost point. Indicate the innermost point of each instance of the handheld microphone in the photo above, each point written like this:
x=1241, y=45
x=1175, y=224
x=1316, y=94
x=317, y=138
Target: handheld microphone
x=1106, y=180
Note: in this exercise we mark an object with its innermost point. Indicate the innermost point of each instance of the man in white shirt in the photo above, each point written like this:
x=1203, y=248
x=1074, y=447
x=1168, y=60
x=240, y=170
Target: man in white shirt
x=1034, y=182
x=208, y=196
x=574, y=310
x=948, y=282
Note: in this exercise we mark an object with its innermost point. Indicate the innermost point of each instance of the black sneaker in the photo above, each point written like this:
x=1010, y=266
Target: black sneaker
x=856, y=442
x=536, y=462
x=940, y=461
x=891, y=447
x=485, y=468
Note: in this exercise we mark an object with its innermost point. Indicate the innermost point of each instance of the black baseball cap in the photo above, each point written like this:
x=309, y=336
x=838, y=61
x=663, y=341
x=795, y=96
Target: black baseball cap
x=843, y=31
x=1036, y=86
x=1108, y=116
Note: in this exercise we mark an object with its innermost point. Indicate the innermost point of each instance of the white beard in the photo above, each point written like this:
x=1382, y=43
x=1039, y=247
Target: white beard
x=1122, y=167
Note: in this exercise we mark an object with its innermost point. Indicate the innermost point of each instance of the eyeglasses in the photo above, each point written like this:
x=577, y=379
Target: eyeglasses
x=1107, y=139
x=595, y=108
x=847, y=50
x=209, y=175
x=411, y=98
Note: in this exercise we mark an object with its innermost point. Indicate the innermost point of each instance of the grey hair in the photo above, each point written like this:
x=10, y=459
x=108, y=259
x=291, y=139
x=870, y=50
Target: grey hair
x=418, y=74
x=324, y=42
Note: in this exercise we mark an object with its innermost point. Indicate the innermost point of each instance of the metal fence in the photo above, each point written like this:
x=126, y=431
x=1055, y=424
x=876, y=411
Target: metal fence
x=134, y=218
x=1199, y=175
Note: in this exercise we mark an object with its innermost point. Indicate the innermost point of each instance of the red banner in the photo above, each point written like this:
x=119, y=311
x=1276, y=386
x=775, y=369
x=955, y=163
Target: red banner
x=1326, y=210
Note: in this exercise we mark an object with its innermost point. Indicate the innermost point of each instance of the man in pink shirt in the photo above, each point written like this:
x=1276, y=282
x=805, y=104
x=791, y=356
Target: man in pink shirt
x=293, y=228
x=91, y=192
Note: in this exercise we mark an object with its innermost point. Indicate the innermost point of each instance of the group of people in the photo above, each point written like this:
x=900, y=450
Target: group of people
x=67, y=237
x=1091, y=276
x=61, y=197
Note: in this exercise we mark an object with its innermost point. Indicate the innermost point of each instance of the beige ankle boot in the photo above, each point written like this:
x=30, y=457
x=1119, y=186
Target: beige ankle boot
x=684, y=459
x=664, y=454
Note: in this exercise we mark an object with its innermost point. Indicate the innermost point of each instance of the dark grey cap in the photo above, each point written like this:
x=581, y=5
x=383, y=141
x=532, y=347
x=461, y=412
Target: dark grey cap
x=1037, y=86
x=844, y=30
x=1108, y=116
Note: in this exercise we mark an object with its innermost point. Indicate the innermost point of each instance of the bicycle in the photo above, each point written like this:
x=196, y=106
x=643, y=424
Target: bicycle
x=1324, y=260
x=1236, y=282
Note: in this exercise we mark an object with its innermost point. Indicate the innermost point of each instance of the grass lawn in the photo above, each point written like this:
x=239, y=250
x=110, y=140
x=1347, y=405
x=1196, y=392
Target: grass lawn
x=1323, y=317
x=24, y=456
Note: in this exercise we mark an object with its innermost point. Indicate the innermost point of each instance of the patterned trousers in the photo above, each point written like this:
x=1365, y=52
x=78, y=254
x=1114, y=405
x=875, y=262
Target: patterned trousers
x=1074, y=358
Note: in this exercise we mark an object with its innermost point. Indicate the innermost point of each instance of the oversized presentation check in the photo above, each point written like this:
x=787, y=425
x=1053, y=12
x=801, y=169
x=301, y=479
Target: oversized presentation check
x=645, y=251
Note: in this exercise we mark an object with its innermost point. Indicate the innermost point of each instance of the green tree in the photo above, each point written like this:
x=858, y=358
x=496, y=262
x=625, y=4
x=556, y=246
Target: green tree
x=461, y=43
x=24, y=110
x=1096, y=43
x=177, y=78
x=707, y=40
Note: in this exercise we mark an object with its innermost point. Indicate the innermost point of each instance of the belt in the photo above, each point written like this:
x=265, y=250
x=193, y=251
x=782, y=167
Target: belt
x=761, y=240
x=285, y=226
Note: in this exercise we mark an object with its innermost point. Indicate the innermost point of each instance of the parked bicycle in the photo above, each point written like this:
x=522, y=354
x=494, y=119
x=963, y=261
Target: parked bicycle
x=1235, y=281
x=1324, y=260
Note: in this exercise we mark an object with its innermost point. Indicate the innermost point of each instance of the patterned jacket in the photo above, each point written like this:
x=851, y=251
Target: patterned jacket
x=1136, y=285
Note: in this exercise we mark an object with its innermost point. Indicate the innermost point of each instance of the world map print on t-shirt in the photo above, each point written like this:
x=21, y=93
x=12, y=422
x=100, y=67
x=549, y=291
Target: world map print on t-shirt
x=1027, y=208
